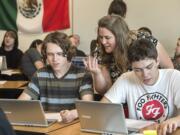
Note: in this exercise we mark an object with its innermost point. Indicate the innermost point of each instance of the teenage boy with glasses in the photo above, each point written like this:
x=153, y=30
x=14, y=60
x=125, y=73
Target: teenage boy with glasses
x=151, y=93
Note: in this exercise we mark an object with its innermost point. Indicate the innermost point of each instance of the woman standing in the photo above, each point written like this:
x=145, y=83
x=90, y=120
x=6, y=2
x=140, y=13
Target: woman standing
x=114, y=37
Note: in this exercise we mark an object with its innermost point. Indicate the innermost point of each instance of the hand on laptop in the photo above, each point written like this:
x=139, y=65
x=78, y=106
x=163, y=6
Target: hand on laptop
x=68, y=115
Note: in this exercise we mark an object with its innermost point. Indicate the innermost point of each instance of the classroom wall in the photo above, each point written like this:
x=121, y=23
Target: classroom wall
x=161, y=16
x=86, y=15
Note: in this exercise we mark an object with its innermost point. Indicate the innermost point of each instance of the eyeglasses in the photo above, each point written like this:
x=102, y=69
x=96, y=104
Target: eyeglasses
x=148, y=67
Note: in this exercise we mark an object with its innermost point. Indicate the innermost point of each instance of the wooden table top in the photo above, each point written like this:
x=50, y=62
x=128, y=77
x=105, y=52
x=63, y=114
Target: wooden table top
x=46, y=130
x=13, y=84
x=74, y=129
x=64, y=129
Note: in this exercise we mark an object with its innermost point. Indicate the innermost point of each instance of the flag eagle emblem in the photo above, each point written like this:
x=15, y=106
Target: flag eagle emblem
x=29, y=8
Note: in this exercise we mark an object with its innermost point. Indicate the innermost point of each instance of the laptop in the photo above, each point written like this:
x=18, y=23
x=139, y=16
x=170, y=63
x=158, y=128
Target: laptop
x=3, y=63
x=78, y=61
x=24, y=112
x=105, y=118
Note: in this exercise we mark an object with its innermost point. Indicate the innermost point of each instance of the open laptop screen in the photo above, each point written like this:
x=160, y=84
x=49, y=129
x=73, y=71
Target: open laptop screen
x=101, y=117
x=24, y=112
x=3, y=64
x=107, y=118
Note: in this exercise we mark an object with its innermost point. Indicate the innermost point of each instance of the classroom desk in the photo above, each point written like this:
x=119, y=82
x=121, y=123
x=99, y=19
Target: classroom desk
x=63, y=129
x=74, y=129
x=12, y=75
x=12, y=89
x=13, y=84
x=42, y=130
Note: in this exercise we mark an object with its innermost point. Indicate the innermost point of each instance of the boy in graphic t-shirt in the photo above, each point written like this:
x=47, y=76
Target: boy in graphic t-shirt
x=151, y=93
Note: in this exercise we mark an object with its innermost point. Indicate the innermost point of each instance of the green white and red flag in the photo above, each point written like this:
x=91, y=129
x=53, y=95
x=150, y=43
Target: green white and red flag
x=34, y=16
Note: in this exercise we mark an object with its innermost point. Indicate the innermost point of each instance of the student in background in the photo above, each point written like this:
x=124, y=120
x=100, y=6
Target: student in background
x=176, y=59
x=118, y=7
x=177, y=49
x=145, y=30
x=9, y=48
x=32, y=59
x=95, y=49
x=59, y=83
x=151, y=93
x=75, y=41
x=165, y=60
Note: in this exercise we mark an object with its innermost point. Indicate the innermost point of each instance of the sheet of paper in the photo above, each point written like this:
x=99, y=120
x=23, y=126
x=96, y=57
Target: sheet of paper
x=53, y=116
x=136, y=125
x=10, y=72
x=3, y=82
x=7, y=72
x=1, y=61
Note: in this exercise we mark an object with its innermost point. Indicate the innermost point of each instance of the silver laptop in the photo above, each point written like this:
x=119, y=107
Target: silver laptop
x=3, y=63
x=24, y=112
x=106, y=118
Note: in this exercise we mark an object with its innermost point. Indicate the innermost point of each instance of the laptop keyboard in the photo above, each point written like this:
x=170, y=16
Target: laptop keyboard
x=129, y=133
x=110, y=134
x=50, y=122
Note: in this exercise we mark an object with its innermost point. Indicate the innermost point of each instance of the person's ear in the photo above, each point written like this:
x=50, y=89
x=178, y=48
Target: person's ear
x=158, y=61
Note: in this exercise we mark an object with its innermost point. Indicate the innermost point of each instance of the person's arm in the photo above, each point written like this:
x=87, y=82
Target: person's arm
x=102, y=81
x=101, y=77
x=169, y=125
x=105, y=100
x=36, y=58
x=70, y=115
x=24, y=96
x=87, y=97
x=39, y=64
x=30, y=93
x=165, y=60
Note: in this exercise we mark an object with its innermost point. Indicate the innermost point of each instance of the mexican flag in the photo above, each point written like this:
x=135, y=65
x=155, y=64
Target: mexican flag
x=34, y=16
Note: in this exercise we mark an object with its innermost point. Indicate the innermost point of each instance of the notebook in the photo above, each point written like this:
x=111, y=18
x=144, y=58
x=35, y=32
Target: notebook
x=3, y=64
x=106, y=118
x=25, y=112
